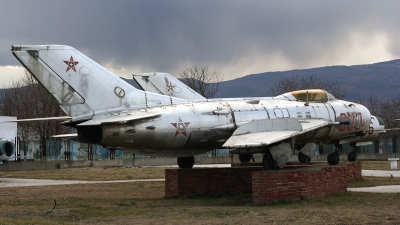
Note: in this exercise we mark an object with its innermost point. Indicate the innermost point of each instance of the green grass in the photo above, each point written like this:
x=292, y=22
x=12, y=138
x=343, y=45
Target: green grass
x=373, y=181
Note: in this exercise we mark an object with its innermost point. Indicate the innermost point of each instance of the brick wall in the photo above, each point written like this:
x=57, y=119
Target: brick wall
x=310, y=182
x=208, y=181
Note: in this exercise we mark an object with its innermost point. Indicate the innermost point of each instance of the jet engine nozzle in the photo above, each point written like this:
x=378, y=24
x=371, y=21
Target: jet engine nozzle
x=7, y=149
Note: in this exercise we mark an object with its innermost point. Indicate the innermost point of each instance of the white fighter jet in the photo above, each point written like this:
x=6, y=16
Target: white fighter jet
x=107, y=111
x=161, y=83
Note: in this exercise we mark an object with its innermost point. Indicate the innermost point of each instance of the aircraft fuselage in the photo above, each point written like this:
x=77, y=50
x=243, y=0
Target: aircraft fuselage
x=184, y=128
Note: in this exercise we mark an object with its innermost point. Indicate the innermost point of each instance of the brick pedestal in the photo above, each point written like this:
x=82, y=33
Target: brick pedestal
x=310, y=182
x=208, y=181
x=291, y=183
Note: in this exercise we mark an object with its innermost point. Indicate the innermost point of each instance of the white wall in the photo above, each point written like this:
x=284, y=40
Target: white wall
x=8, y=130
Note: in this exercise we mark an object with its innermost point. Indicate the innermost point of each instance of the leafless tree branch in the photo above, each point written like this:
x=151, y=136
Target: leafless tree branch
x=201, y=80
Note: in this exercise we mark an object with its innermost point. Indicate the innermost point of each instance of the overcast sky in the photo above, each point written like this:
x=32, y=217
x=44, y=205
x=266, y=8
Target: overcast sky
x=234, y=38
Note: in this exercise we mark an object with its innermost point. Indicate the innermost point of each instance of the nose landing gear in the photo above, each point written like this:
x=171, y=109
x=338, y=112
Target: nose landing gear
x=352, y=156
x=334, y=157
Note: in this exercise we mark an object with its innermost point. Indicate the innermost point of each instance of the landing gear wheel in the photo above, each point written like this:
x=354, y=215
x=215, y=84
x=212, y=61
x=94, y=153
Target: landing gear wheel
x=333, y=158
x=268, y=162
x=352, y=156
x=245, y=157
x=185, y=162
x=303, y=158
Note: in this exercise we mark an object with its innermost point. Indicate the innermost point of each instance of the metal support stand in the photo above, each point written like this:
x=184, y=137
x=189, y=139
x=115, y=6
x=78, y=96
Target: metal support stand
x=90, y=152
x=112, y=154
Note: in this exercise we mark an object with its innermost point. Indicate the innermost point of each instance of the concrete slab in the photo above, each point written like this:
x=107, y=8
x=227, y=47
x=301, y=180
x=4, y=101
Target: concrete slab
x=381, y=173
x=15, y=182
x=378, y=189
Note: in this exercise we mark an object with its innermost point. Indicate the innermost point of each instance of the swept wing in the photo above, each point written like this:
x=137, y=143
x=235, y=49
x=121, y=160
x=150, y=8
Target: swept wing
x=265, y=132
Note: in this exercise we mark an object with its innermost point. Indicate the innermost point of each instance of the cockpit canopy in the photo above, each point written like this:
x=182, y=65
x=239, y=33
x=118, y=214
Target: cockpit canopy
x=311, y=95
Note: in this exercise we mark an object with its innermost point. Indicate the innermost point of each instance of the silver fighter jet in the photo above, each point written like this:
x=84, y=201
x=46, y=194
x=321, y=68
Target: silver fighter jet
x=107, y=111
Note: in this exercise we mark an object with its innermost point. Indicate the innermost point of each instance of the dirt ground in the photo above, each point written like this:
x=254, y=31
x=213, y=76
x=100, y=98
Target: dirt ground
x=144, y=203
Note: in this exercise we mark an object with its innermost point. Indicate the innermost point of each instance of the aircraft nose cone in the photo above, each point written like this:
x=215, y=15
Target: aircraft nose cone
x=380, y=120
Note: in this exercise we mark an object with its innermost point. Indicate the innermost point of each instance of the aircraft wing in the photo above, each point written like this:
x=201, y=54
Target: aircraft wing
x=125, y=118
x=269, y=131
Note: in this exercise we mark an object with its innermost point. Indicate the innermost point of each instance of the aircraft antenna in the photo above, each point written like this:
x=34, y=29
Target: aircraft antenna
x=307, y=104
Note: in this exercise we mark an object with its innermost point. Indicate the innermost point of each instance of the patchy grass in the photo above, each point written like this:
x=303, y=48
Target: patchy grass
x=376, y=165
x=144, y=203
x=120, y=173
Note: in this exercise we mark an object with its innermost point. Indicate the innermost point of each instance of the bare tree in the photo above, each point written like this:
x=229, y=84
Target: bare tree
x=15, y=102
x=201, y=80
x=287, y=84
x=26, y=99
x=372, y=103
x=390, y=110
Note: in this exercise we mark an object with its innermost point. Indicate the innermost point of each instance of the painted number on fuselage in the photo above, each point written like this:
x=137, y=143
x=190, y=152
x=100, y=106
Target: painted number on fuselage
x=369, y=131
x=354, y=118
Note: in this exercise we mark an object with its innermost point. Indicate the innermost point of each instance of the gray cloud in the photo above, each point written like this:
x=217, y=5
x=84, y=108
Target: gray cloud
x=227, y=35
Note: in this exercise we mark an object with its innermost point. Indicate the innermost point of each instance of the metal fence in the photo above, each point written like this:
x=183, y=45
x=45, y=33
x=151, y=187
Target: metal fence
x=58, y=150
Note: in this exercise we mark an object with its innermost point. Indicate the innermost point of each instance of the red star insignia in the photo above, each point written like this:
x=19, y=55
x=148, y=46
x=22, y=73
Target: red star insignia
x=180, y=127
x=170, y=88
x=71, y=64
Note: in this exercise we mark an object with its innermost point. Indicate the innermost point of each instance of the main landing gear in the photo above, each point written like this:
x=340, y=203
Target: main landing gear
x=303, y=158
x=244, y=158
x=334, y=157
x=277, y=156
x=268, y=162
x=306, y=152
x=185, y=162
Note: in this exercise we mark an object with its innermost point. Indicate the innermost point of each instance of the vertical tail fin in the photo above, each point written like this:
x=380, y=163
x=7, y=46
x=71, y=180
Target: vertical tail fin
x=166, y=84
x=79, y=84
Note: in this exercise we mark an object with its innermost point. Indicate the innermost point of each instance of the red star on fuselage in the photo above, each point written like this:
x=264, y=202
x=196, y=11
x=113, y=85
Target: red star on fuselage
x=170, y=88
x=71, y=64
x=180, y=127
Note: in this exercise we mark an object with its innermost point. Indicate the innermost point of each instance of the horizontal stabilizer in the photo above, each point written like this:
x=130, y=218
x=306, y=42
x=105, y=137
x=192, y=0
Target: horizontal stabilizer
x=126, y=118
x=39, y=119
x=64, y=136
x=269, y=131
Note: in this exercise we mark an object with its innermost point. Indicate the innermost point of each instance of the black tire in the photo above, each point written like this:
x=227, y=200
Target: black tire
x=268, y=162
x=245, y=158
x=185, y=162
x=352, y=156
x=333, y=158
x=303, y=158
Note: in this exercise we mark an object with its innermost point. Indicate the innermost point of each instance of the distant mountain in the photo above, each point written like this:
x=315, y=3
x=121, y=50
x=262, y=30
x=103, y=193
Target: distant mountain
x=382, y=79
